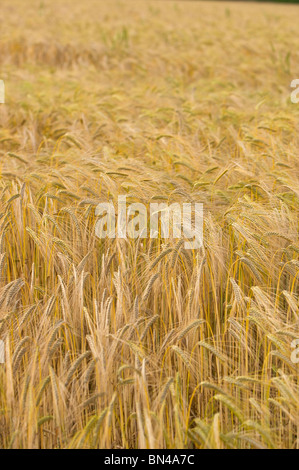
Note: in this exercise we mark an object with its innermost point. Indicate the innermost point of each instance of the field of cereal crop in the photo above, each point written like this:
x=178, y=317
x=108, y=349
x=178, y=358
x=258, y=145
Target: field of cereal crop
x=142, y=343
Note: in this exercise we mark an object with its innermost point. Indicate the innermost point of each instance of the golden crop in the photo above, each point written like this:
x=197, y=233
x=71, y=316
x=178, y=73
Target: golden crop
x=122, y=343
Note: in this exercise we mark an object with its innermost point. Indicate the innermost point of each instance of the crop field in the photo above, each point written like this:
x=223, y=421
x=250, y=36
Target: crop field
x=122, y=343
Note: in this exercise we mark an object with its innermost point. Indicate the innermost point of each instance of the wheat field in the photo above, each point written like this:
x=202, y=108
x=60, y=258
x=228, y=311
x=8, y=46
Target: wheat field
x=123, y=343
